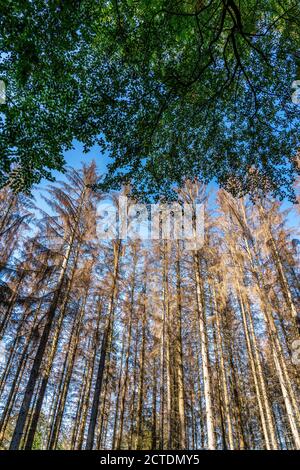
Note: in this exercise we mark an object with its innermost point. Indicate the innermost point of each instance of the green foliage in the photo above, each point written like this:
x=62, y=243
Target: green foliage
x=38, y=438
x=173, y=89
x=38, y=441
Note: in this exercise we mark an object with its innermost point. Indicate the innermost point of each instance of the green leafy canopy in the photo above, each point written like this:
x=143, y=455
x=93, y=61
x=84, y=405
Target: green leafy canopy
x=172, y=89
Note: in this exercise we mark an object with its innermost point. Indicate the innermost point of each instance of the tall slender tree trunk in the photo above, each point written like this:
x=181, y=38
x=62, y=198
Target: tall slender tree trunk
x=154, y=411
x=179, y=357
x=70, y=360
x=141, y=383
x=104, y=346
x=278, y=355
x=34, y=374
x=125, y=385
x=281, y=273
x=48, y=366
x=223, y=374
x=205, y=357
x=119, y=390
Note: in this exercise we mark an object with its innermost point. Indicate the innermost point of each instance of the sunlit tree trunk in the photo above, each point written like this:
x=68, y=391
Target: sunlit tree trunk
x=225, y=394
x=105, y=344
x=139, y=424
x=34, y=374
x=179, y=356
x=204, y=354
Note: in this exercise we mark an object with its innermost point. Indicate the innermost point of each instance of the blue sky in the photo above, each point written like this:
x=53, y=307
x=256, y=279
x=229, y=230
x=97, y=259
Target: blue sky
x=75, y=157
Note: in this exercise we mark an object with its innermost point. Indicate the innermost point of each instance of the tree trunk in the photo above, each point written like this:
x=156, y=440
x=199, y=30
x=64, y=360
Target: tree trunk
x=205, y=356
x=104, y=346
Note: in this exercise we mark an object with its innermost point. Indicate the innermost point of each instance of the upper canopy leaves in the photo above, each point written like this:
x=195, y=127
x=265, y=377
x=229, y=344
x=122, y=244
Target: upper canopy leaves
x=175, y=89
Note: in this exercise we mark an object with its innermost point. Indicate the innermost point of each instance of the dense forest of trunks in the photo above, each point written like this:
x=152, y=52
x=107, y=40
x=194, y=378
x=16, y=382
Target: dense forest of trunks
x=129, y=344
